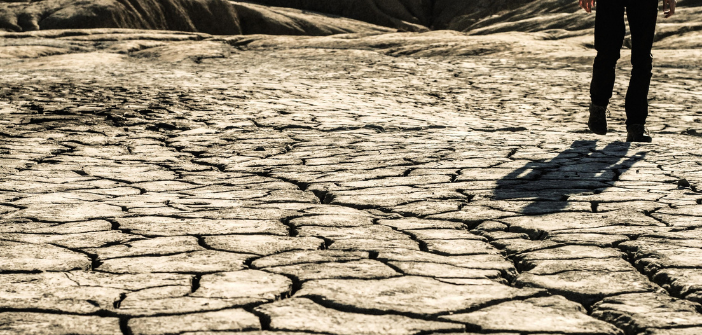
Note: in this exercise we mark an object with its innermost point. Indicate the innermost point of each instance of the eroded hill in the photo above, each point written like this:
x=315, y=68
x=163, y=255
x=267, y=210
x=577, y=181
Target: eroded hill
x=552, y=19
x=307, y=17
x=218, y=17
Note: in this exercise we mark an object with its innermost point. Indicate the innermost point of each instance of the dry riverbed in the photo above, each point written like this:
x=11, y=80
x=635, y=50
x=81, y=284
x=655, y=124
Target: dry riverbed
x=173, y=183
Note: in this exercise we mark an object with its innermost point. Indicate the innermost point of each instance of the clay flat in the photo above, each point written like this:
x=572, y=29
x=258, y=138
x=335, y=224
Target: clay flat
x=163, y=182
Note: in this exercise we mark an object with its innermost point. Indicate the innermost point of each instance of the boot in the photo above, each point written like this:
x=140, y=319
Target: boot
x=598, y=119
x=637, y=133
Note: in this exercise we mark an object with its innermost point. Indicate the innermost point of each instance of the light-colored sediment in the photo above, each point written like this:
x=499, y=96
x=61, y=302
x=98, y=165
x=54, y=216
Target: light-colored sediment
x=162, y=183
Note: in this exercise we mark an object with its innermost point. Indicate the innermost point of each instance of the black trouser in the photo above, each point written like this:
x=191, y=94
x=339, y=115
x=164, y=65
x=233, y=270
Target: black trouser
x=609, y=36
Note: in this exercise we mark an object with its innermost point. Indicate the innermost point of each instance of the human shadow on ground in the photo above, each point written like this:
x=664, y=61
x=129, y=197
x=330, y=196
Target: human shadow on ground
x=579, y=169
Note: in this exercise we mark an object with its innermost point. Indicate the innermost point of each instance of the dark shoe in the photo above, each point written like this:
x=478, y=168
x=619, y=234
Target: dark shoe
x=598, y=119
x=637, y=133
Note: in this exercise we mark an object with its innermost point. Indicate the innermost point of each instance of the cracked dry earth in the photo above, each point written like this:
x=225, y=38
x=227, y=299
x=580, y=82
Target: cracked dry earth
x=313, y=191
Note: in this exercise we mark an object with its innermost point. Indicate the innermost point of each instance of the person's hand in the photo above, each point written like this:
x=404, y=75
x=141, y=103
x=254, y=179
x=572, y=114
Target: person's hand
x=670, y=4
x=588, y=4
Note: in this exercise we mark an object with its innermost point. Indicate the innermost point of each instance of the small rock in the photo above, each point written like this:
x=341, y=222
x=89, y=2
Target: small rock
x=683, y=183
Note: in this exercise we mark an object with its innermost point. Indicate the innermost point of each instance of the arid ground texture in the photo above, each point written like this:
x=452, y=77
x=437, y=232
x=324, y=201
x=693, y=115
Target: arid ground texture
x=420, y=181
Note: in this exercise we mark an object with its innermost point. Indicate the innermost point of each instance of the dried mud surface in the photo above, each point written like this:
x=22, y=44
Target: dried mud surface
x=163, y=183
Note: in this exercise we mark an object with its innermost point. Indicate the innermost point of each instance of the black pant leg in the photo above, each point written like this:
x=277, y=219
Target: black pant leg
x=642, y=16
x=609, y=37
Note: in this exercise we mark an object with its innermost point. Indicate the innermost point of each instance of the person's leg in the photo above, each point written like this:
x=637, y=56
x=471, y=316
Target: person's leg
x=642, y=15
x=609, y=37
